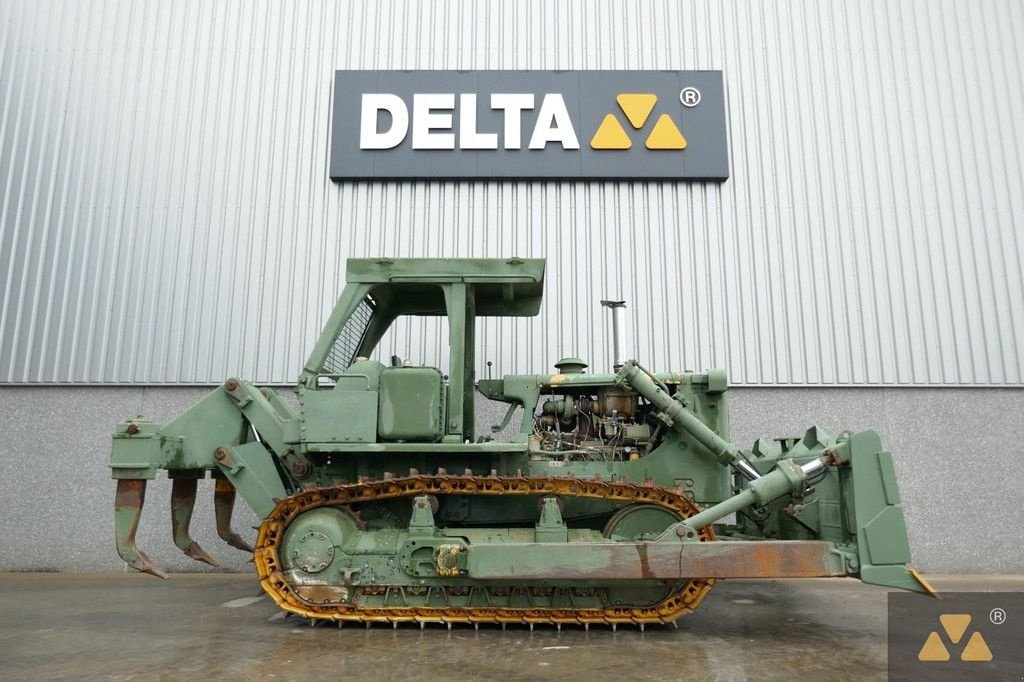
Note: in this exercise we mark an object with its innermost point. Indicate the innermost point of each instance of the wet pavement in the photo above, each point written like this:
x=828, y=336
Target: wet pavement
x=128, y=626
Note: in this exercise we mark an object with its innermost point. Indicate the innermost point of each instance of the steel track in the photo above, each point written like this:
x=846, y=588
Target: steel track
x=277, y=585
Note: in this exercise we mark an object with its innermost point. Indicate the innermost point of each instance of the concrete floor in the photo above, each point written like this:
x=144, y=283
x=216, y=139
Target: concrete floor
x=128, y=626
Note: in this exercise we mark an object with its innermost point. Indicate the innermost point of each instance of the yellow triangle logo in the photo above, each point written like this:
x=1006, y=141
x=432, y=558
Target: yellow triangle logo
x=976, y=649
x=637, y=107
x=666, y=135
x=955, y=625
x=610, y=135
x=933, y=649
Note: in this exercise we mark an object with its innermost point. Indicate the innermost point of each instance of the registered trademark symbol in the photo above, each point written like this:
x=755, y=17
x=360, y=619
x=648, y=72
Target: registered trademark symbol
x=997, y=616
x=689, y=97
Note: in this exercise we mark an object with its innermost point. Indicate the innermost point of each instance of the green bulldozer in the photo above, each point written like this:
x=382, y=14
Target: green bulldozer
x=618, y=498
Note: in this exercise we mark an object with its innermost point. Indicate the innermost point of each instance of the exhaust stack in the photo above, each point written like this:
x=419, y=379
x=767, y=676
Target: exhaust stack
x=617, y=343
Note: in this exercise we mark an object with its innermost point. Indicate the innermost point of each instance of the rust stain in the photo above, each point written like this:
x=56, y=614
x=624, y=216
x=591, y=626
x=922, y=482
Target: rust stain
x=776, y=560
x=671, y=560
x=131, y=493
x=645, y=563
x=323, y=594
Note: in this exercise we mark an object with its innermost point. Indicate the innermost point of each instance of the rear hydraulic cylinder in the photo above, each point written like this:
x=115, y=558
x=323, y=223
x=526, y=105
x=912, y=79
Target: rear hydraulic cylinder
x=682, y=419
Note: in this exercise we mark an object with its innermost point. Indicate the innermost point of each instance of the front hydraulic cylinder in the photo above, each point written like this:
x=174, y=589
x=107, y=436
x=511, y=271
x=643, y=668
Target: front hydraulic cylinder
x=787, y=478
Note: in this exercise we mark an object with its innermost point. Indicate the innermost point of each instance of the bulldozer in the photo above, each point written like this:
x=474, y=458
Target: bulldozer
x=600, y=498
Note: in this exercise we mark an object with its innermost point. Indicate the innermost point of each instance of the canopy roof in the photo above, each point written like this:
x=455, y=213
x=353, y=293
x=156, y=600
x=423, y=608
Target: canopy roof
x=501, y=286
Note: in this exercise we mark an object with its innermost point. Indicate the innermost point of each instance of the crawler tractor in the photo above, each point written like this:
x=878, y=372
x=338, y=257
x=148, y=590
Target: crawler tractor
x=617, y=498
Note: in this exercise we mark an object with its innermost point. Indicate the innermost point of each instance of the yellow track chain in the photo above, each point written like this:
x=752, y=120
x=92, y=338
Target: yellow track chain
x=274, y=582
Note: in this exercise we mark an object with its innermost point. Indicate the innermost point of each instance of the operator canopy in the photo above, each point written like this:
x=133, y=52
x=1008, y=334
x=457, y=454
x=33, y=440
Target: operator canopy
x=462, y=289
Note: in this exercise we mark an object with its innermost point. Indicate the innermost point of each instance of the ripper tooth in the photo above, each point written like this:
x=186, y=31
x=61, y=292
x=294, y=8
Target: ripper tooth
x=223, y=507
x=128, y=503
x=183, y=501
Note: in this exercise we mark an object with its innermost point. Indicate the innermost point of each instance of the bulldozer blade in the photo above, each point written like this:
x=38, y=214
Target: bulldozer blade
x=223, y=506
x=183, y=501
x=128, y=502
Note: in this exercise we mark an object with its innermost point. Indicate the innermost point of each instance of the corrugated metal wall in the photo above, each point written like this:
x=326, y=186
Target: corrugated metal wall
x=166, y=215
